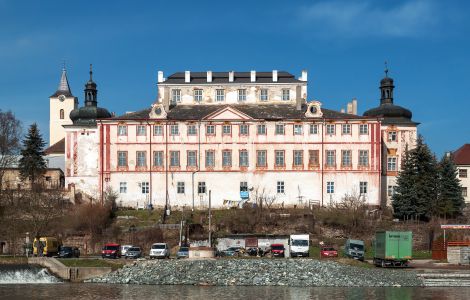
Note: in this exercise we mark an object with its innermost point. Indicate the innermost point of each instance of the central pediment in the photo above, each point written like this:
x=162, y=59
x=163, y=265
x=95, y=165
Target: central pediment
x=228, y=113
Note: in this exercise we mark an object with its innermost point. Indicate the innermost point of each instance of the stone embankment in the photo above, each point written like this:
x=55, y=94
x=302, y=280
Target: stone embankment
x=244, y=272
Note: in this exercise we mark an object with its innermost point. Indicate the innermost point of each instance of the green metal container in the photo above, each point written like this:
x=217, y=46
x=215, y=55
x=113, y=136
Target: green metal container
x=393, y=248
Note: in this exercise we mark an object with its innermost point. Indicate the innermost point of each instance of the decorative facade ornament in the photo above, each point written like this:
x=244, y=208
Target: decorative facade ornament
x=314, y=110
x=158, y=111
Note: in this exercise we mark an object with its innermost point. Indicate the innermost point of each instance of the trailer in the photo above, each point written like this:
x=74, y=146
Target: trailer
x=393, y=248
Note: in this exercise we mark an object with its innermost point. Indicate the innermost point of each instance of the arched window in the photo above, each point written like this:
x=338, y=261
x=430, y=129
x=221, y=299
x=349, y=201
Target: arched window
x=388, y=94
x=61, y=114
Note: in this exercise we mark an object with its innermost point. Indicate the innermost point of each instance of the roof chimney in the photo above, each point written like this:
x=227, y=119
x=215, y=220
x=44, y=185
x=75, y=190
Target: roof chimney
x=253, y=76
x=304, y=75
x=187, y=76
x=349, y=108
x=160, y=76
x=209, y=76
x=274, y=75
x=354, y=106
x=231, y=76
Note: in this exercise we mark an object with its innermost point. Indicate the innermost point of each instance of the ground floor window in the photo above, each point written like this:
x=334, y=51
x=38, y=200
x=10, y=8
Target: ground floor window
x=243, y=186
x=464, y=191
x=280, y=187
x=145, y=187
x=363, y=187
x=123, y=187
x=180, y=187
x=391, y=190
x=330, y=187
x=201, y=187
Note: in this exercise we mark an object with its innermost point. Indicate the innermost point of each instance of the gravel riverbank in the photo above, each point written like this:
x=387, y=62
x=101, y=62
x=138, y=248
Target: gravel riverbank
x=288, y=272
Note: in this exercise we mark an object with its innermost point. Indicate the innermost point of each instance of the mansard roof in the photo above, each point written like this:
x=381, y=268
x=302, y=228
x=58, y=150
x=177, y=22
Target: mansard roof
x=270, y=112
x=223, y=77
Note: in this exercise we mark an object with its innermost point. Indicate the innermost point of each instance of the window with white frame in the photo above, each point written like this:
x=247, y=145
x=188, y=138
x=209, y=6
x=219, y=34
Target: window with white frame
x=363, y=158
x=210, y=129
x=220, y=95
x=263, y=95
x=192, y=159
x=174, y=129
x=243, y=129
x=462, y=173
x=201, y=187
x=346, y=158
x=391, y=190
x=175, y=96
x=122, y=158
x=261, y=158
x=330, y=158
x=122, y=187
x=280, y=187
x=261, y=129
x=391, y=163
x=243, y=158
x=313, y=157
x=122, y=130
x=298, y=158
x=192, y=130
x=280, y=129
x=330, y=128
x=363, y=129
x=158, y=130
x=174, y=158
x=464, y=191
x=279, y=158
x=346, y=128
x=330, y=187
x=226, y=129
x=226, y=158
x=145, y=187
x=313, y=129
x=242, y=95
x=141, y=130
x=298, y=129
x=141, y=158
x=210, y=158
x=285, y=94
x=362, y=187
x=158, y=158
x=392, y=136
x=198, y=95
x=180, y=187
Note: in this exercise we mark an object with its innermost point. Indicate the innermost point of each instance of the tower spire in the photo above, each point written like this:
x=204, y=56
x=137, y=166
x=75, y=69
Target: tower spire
x=386, y=69
x=64, y=86
x=91, y=72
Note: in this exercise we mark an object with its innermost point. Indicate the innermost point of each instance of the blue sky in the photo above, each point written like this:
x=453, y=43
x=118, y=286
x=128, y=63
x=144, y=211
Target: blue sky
x=343, y=44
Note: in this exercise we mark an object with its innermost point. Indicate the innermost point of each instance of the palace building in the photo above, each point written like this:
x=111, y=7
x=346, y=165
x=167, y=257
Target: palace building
x=234, y=135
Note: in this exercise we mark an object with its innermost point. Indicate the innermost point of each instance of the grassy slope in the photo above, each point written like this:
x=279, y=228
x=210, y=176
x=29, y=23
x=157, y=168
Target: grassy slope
x=99, y=263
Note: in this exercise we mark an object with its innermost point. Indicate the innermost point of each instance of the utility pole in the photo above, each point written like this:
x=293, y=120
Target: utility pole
x=210, y=233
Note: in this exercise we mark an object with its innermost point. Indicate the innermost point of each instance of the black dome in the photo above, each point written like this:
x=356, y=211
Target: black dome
x=389, y=111
x=87, y=115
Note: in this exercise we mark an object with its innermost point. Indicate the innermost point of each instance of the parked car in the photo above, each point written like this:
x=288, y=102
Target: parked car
x=69, y=252
x=111, y=251
x=354, y=249
x=183, y=252
x=124, y=249
x=159, y=250
x=133, y=252
x=232, y=251
x=328, y=252
x=278, y=250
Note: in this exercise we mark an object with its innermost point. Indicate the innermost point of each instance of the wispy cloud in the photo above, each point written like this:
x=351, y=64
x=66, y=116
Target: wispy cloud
x=365, y=18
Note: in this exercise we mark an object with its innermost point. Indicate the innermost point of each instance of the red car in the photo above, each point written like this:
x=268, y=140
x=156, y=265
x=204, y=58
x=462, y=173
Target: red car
x=111, y=251
x=328, y=252
x=278, y=250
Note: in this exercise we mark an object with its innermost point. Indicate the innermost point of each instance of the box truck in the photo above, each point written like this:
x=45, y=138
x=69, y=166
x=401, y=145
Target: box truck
x=392, y=248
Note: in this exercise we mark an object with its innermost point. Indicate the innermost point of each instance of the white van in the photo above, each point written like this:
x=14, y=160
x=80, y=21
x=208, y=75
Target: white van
x=159, y=250
x=299, y=245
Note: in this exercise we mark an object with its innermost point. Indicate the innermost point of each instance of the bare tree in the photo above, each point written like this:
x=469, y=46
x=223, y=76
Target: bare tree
x=10, y=141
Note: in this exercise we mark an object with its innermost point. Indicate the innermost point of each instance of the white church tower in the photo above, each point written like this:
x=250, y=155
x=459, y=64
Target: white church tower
x=61, y=103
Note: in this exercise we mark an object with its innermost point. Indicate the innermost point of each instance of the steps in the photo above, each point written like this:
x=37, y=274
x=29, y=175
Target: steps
x=445, y=279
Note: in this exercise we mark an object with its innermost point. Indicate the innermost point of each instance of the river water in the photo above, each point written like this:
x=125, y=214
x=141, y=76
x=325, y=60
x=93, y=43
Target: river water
x=36, y=283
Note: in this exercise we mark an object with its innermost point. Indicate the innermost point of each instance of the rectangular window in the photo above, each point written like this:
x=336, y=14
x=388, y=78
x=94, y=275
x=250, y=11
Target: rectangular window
x=363, y=187
x=243, y=158
x=210, y=158
x=280, y=129
x=201, y=187
x=313, y=129
x=243, y=186
x=464, y=191
x=346, y=128
x=243, y=129
x=158, y=130
x=391, y=164
x=174, y=158
x=298, y=158
x=122, y=187
x=330, y=187
x=279, y=155
x=219, y=95
x=330, y=158
x=210, y=129
x=313, y=157
x=392, y=136
x=363, y=129
x=363, y=158
x=261, y=158
x=226, y=129
x=192, y=130
x=263, y=95
x=180, y=187
x=175, y=96
x=122, y=158
x=192, y=159
x=462, y=173
x=141, y=130
x=280, y=187
x=330, y=128
x=346, y=158
x=241, y=95
x=285, y=94
x=141, y=158
x=158, y=158
x=174, y=130
x=298, y=129
x=261, y=129
x=391, y=190
x=198, y=95
x=226, y=158
x=122, y=130
x=145, y=187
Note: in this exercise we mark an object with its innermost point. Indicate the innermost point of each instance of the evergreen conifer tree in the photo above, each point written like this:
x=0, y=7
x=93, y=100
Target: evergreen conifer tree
x=32, y=164
x=450, y=199
x=403, y=201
